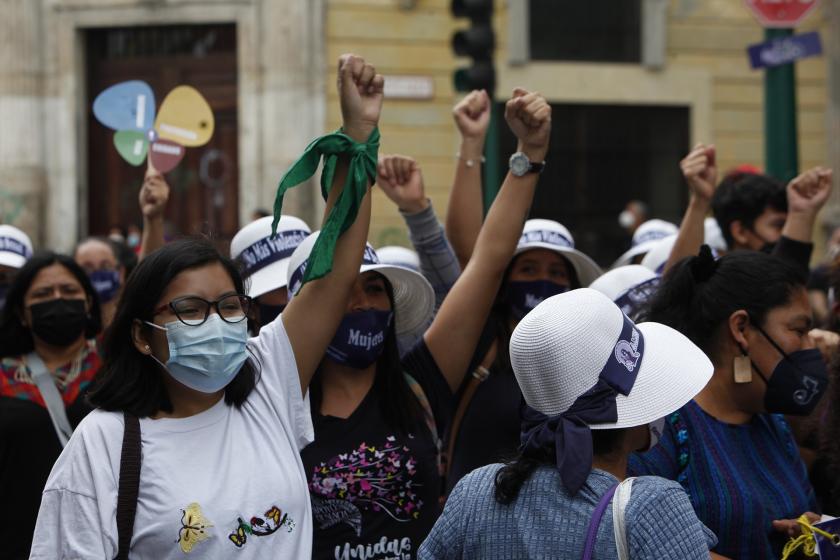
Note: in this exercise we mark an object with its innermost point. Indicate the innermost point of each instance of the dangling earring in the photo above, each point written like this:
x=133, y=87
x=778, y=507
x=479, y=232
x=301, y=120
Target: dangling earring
x=742, y=369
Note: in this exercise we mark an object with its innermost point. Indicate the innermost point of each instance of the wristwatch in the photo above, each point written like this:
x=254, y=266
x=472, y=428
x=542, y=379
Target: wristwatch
x=520, y=165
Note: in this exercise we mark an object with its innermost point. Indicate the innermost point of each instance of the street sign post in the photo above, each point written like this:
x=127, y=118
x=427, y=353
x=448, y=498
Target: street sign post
x=781, y=153
x=785, y=50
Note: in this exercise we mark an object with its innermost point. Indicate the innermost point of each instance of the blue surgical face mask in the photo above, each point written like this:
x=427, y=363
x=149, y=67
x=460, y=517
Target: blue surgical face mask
x=360, y=338
x=106, y=283
x=205, y=357
x=525, y=296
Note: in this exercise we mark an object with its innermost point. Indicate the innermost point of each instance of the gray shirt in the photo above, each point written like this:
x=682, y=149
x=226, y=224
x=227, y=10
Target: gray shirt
x=545, y=522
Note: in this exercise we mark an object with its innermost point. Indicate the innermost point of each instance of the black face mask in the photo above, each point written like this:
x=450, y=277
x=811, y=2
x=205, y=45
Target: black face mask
x=768, y=247
x=59, y=322
x=268, y=313
x=798, y=382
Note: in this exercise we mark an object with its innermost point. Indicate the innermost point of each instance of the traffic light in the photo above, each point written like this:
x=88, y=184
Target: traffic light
x=476, y=42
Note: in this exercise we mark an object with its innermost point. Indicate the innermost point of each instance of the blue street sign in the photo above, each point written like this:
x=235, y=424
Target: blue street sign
x=784, y=50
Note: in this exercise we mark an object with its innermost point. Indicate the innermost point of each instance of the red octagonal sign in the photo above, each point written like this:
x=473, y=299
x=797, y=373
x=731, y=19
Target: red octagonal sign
x=781, y=13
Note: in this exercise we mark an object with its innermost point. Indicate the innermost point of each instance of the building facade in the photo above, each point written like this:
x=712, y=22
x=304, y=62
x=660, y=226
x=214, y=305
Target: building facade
x=633, y=89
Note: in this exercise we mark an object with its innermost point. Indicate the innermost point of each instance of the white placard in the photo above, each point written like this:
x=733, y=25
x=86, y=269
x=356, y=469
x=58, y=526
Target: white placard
x=409, y=87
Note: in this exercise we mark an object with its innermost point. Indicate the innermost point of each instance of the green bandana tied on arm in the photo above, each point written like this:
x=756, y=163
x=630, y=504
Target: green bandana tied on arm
x=363, y=160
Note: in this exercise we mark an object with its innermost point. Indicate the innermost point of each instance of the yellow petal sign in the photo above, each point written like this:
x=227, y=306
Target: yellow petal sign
x=185, y=118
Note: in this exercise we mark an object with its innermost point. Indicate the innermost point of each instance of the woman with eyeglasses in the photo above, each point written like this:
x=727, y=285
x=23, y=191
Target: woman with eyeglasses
x=49, y=355
x=212, y=467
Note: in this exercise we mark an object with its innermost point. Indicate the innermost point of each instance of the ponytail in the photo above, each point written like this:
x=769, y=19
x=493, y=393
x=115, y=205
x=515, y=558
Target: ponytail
x=699, y=293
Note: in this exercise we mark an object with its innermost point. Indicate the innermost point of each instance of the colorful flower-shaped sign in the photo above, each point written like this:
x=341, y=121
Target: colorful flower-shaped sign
x=185, y=121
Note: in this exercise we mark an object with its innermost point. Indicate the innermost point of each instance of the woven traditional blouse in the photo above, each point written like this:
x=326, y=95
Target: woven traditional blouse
x=739, y=477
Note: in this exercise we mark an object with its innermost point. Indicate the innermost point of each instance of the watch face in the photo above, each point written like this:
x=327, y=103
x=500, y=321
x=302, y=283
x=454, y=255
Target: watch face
x=519, y=164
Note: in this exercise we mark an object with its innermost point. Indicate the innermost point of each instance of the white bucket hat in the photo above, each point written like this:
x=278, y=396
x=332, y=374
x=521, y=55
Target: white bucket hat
x=657, y=257
x=399, y=256
x=264, y=260
x=551, y=235
x=629, y=287
x=713, y=236
x=560, y=348
x=15, y=247
x=414, y=298
x=645, y=238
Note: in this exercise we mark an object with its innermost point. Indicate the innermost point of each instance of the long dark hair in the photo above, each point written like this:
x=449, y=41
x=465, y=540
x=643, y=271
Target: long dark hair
x=133, y=382
x=399, y=404
x=15, y=338
x=517, y=471
x=699, y=293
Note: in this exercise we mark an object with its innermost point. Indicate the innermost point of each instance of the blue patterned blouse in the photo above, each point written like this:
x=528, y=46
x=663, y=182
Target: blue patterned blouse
x=739, y=477
x=545, y=522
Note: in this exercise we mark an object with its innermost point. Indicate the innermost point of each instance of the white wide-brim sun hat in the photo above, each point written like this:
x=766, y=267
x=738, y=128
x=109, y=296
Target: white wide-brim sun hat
x=399, y=256
x=559, y=349
x=713, y=236
x=15, y=247
x=265, y=260
x=645, y=238
x=657, y=257
x=414, y=297
x=618, y=281
x=551, y=235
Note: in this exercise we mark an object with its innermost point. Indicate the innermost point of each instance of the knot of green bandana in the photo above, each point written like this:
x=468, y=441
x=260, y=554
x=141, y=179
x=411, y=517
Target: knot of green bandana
x=363, y=160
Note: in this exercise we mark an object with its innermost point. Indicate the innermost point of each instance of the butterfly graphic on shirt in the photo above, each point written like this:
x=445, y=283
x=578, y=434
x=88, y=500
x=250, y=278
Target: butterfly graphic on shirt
x=273, y=520
x=193, y=527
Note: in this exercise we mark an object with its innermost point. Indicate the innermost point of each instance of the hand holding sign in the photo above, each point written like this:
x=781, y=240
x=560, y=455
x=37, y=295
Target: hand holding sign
x=154, y=194
x=185, y=120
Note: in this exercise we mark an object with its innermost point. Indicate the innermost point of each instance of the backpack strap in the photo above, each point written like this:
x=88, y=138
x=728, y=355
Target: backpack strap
x=479, y=375
x=52, y=398
x=619, y=505
x=428, y=416
x=129, y=484
x=595, y=522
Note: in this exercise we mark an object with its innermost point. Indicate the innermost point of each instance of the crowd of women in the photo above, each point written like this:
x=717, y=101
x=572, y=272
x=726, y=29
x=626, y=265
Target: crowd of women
x=491, y=394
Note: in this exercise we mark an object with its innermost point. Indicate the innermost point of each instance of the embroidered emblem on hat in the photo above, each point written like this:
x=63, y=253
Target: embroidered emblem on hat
x=627, y=353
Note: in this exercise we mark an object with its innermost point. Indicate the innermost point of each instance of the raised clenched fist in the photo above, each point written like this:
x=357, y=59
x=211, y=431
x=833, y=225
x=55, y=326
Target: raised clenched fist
x=699, y=168
x=361, y=91
x=472, y=114
x=401, y=180
x=529, y=117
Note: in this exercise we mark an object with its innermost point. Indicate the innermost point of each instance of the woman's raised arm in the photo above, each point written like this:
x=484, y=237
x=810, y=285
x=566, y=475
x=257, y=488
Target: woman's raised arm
x=312, y=316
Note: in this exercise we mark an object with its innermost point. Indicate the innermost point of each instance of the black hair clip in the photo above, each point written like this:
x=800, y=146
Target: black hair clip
x=704, y=265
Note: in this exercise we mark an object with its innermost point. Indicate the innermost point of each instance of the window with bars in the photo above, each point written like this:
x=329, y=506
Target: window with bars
x=585, y=30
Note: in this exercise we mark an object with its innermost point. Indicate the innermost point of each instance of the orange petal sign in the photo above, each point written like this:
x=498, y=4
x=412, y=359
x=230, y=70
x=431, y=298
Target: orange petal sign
x=166, y=155
x=185, y=118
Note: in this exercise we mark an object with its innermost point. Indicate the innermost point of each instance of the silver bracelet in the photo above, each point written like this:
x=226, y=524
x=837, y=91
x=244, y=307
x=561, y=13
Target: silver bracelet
x=468, y=162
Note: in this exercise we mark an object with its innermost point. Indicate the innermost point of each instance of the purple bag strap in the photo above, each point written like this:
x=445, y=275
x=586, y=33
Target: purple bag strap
x=595, y=522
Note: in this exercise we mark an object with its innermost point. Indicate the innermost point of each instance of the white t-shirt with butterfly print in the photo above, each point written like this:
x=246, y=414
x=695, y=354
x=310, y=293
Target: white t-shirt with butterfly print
x=225, y=483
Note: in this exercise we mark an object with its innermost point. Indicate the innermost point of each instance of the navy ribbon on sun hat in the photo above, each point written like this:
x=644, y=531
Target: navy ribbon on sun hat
x=632, y=301
x=568, y=434
x=296, y=280
x=269, y=250
x=652, y=235
x=546, y=236
x=12, y=245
